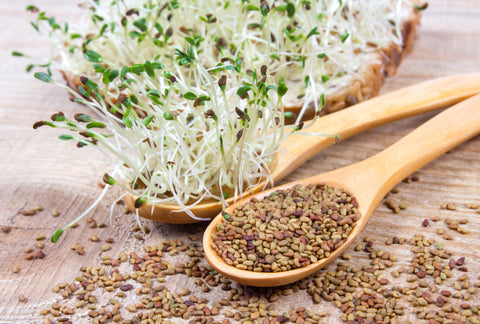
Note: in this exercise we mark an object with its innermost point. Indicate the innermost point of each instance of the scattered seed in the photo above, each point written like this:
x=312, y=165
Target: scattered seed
x=368, y=293
x=392, y=205
x=448, y=237
x=451, y=206
x=94, y=238
x=6, y=229
x=79, y=249
x=472, y=206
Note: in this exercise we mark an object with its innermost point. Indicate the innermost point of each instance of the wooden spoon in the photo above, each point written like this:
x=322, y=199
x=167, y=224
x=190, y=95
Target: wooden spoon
x=368, y=181
x=296, y=149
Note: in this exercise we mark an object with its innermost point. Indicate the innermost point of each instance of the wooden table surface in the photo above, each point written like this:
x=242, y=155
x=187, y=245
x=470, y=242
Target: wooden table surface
x=37, y=169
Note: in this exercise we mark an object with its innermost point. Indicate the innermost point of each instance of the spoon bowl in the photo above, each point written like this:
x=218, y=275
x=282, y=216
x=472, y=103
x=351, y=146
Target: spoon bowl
x=298, y=148
x=368, y=181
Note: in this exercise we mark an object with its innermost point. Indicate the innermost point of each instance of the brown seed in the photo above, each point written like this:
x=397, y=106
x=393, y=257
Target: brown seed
x=93, y=238
x=6, y=229
x=450, y=206
x=425, y=222
x=448, y=237
x=16, y=269
x=126, y=287
x=79, y=249
x=40, y=254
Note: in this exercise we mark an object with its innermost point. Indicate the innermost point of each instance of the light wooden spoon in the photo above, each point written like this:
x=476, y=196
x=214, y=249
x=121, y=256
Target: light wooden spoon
x=296, y=149
x=368, y=181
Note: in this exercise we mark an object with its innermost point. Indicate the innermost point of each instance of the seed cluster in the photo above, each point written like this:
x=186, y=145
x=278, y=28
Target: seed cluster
x=434, y=286
x=142, y=296
x=286, y=230
x=431, y=285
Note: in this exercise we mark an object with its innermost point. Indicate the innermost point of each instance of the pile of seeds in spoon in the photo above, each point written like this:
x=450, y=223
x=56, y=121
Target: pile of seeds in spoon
x=287, y=229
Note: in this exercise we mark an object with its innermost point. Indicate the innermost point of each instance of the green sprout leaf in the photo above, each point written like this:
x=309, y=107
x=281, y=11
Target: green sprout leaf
x=96, y=124
x=290, y=9
x=190, y=96
x=65, y=137
x=107, y=179
x=281, y=88
x=31, y=8
x=149, y=69
x=99, y=68
x=113, y=75
x=243, y=90
x=137, y=68
x=58, y=117
x=185, y=58
x=124, y=72
x=168, y=116
x=15, y=53
x=264, y=8
x=313, y=32
x=82, y=118
x=93, y=56
x=127, y=121
x=57, y=235
x=140, y=24
x=344, y=37
x=106, y=77
x=147, y=120
x=421, y=7
x=42, y=76
x=139, y=202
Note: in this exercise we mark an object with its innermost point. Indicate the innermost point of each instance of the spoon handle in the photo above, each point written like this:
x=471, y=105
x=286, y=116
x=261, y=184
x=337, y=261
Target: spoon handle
x=440, y=134
x=419, y=98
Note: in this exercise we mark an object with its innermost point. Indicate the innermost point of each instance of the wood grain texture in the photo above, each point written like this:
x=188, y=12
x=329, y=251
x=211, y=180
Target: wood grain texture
x=38, y=169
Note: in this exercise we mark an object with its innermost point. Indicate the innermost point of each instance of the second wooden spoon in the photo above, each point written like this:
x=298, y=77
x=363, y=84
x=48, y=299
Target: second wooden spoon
x=368, y=181
x=297, y=148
